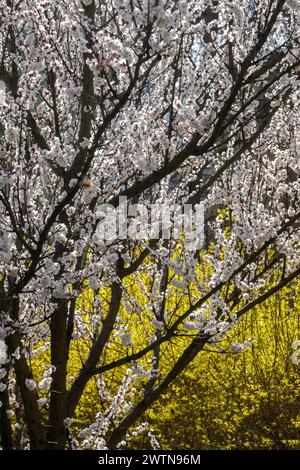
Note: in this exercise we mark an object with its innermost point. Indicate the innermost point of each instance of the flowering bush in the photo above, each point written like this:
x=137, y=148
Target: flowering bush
x=131, y=105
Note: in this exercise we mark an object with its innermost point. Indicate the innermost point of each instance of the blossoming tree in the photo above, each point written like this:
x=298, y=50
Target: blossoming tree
x=154, y=101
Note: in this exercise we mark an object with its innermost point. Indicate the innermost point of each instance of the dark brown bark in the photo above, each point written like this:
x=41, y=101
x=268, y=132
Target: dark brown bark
x=56, y=434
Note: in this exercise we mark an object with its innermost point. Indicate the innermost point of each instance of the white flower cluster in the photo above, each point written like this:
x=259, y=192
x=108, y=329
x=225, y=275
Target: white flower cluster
x=3, y=360
x=161, y=72
x=157, y=324
x=2, y=94
x=93, y=437
x=30, y=384
x=153, y=440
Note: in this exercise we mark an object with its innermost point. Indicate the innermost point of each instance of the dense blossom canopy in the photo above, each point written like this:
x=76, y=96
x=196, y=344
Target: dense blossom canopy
x=159, y=101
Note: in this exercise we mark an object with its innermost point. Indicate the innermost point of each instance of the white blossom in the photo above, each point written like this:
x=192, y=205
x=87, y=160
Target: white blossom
x=239, y=347
x=167, y=104
x=190, y=325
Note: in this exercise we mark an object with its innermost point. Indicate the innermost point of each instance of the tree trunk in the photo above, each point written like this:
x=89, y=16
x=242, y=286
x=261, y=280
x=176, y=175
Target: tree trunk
x=96, y=350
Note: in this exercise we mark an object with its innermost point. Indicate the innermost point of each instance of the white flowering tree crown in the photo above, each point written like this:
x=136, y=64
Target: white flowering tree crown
x=156, y=102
